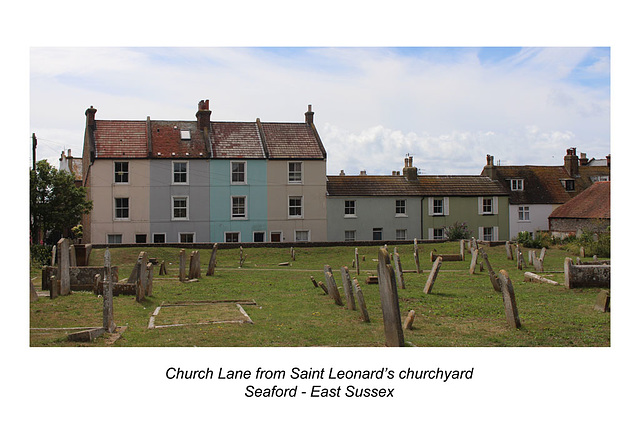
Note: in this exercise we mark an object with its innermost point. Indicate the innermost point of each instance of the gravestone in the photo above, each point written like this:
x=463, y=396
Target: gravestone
x=361, y=303
x=149, y=272
x=532, y=277
x=194, y=265
x=462, y=249
x=348, y=289
x=357, y=259
x=183, y=264
x=53, y=255
x=212, y=260
x=141, y=283
x=432, y=276
x=509, y=300
x=416, y=256
x=394, y=337
x=63, y=267
x=315, y=284
x=492, y=275
x=537, y=263
x=507, y=246
x=474, y=260
x=33, y=294
x=72, y=256
x=408, y=323
x=543, y=252
x=163, y=269
x=331, y=285
x=324, y=288
x=603, y=301
x=587, y=275
x=398, y=264
x=107, y=295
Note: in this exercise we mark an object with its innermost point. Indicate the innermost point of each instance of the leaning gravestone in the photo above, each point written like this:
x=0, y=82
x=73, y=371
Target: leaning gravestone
x=474, y=261
x=331, y=285
x=603, y=301
x=492, y=275
x=361, y=303
x=212, y=261
x=149, y=290
x=394, y=337
x=399, y=273
x=33, y=294
x=348, y=289
x=509, y=300
x=357, y=259
x=507, y=246
x=183, y=265
x=432, y=276
x=416, y=256
x=408, y=323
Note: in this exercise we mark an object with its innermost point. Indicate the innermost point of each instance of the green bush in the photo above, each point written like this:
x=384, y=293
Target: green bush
x=542, y=240
x=41, y=254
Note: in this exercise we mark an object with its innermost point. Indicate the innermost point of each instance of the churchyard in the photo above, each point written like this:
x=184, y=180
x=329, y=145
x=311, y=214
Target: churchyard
x=448, y=294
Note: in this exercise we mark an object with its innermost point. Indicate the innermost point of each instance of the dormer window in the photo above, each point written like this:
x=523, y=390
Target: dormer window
x=517, y=184
x=185, y=135
x=569, y=184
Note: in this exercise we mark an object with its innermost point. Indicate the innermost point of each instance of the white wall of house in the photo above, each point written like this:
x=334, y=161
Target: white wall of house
x=538, y=218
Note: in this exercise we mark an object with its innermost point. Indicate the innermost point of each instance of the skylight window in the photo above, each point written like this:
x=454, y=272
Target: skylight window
x=185, y=135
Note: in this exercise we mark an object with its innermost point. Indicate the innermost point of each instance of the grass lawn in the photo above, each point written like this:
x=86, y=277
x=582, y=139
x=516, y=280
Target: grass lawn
x=463, y=310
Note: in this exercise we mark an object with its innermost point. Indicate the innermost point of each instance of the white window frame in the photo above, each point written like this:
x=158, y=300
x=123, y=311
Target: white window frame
x=432, y=206
x=494, y=233
x=264, y=236
x=173, y=208
x=301, y=198
x=289, y=173
x=350, y=215
x=173, y=172
x=244, y=172
x=438, y=234
x=349, y=239
x=229, y=233
x=153, y=237
x=116, y=208
x=524, y=214
x=115, y=173
x=375, y=230
x=573, y=184
x=245, y=207
x=186, y=233
x=493, y=204
x=401, y=234
x=403, y=208
x=185, y=134
x=109, y=235
x=279, y=233
x=517, y=184
x=295, y=235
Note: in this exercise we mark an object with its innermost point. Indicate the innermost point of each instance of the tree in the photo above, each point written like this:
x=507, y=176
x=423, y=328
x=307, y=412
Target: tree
x=56, y=203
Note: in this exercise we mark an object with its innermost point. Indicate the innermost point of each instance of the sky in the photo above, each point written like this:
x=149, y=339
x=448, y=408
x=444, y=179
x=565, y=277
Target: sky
x=448, y=107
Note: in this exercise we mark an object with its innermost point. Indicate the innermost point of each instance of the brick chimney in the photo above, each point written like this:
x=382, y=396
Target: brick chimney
x=571, y=162
x=91, y=117
x=409, y=172
x=308, y=116
x=583, y=159
x=203, y=115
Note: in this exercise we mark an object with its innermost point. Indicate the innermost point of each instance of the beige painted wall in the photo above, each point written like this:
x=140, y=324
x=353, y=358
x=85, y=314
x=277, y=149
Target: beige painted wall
x=104, y=191
x=313, y=191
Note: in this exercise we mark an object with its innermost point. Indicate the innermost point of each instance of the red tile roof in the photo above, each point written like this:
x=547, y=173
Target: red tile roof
x=236, y=140
x=592, y=203
x=167, y=142
x=121, y=139
x=427, y=185
x=292, y=141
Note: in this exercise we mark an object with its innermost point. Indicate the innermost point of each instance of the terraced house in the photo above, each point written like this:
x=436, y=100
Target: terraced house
x=404, y=206
x=203, y=181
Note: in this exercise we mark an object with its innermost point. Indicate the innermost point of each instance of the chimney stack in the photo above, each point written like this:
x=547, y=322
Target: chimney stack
x=409, y=172
x=91, y=117
x=609, y=160
x=583, y=159
x=308, y=116
x=203, y=115
x=571, y=162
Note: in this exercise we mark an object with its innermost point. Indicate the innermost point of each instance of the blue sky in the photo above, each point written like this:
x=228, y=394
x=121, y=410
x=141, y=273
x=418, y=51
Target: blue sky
x=448, y=107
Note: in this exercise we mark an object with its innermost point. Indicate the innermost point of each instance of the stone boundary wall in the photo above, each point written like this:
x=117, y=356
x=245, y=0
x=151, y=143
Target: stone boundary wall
x=82, y=278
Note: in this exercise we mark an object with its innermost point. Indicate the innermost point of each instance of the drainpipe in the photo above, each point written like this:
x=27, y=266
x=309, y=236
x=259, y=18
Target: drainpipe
x=422, y=218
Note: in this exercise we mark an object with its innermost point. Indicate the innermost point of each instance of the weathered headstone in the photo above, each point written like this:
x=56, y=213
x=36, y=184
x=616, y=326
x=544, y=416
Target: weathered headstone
x=33, y=294
x=462, y=249
x=398, y=265
x=149, y=272
x=323, y=287
x=433, y=275
x=361, y=303
x=53, y=255
x=492, y=275
x=509, y=300
x=63, y=267
x=543, y=252
x=183, y=263
x=54, y=289
x=357, y=259
x=107, y=295
x=211, y=269
x=507, y=246
x=348, y=289
x=532, y=277
x=408, y=323
x=531, y=255
x=582, y=252
x=72, y=256
x=141, y=283
x=587, y=275
x=194, y=265
x=331, y=285
x=394, y=336
x=603, y=301
x=416, y=256
x=163, y=269
x=537, y=263
x=474, y=261
x=315, y=284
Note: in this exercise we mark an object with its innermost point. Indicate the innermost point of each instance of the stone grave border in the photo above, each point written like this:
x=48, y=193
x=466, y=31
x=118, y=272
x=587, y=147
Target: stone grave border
x=238, y=303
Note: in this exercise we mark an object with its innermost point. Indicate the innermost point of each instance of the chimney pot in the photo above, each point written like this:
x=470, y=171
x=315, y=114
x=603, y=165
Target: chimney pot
x=203, y=115
x=308, y=116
